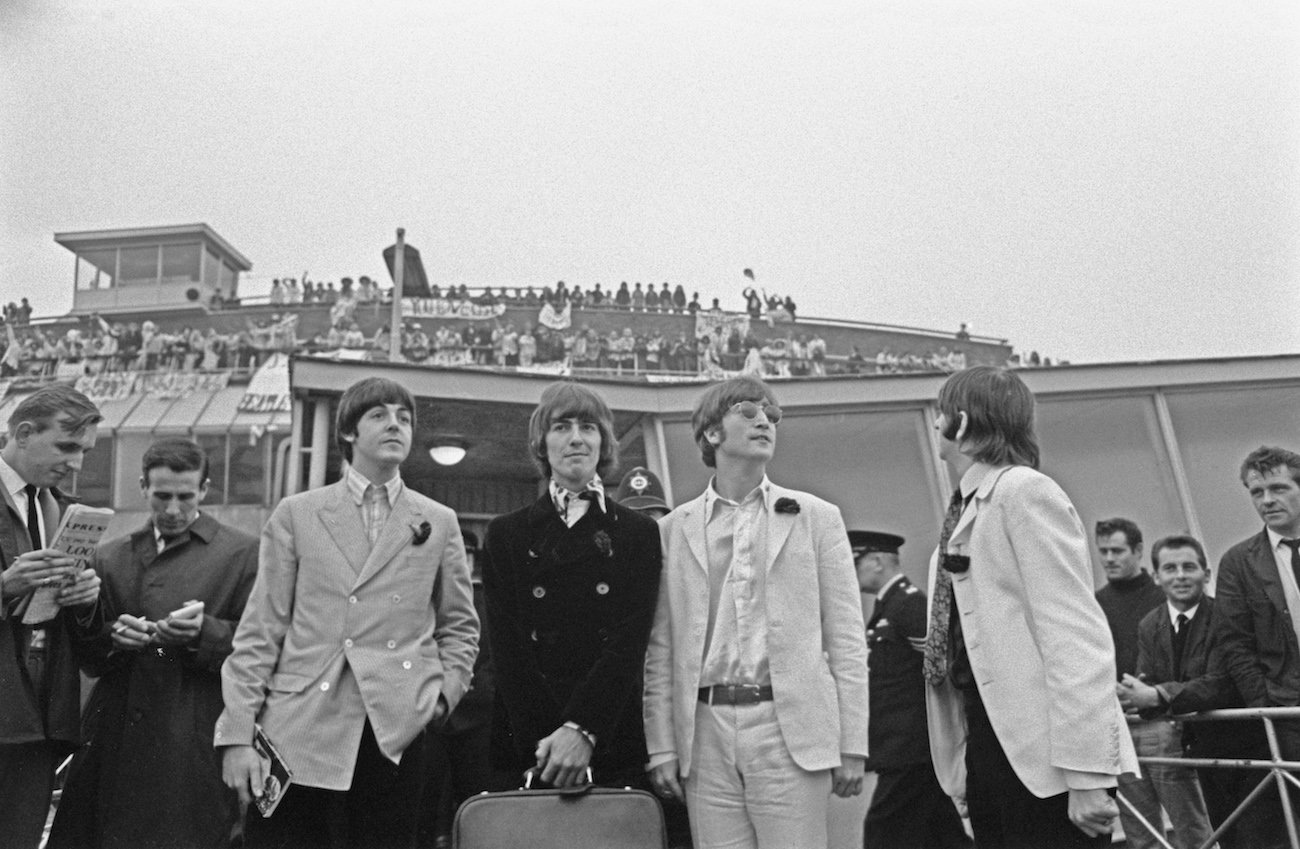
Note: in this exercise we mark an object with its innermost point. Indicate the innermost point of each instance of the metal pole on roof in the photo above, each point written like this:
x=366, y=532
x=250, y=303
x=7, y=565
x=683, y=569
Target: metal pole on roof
x=395, y=321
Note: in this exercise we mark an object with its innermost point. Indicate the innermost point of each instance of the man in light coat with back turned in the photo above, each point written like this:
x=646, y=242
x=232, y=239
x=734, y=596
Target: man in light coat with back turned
x=1024, y=721
x=359, y=631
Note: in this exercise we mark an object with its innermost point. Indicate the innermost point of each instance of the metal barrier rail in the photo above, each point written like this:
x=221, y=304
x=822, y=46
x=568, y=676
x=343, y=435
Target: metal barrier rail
x=1279, y=771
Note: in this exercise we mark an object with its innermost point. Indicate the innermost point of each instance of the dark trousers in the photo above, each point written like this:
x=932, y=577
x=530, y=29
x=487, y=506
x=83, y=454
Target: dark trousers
x=26, y=784
x=1003, y=813
x=909, y=810
x=380, y=810
x=457, y=766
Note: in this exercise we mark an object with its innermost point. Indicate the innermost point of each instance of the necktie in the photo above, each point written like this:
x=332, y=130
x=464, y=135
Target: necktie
x=33, y=517
x=935, y=665
x=1179, y=643
x=1294, y=545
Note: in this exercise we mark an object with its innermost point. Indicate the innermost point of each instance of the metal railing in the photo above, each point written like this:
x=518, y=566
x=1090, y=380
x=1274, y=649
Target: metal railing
x=1279, y=772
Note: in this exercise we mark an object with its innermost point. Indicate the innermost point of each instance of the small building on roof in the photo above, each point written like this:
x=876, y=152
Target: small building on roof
x=151, y=268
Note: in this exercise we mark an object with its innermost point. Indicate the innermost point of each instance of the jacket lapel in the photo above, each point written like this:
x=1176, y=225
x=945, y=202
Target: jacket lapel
x=342, y=521
x=779, y=525
x=962, y=530
x=1265, y=566
x=693, y=526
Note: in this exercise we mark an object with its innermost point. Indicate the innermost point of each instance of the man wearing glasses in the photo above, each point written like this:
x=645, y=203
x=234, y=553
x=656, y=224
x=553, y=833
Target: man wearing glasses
x=756, y=674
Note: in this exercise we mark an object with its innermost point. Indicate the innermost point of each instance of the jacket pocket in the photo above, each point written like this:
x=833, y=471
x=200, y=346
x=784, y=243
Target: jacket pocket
x=290, y=682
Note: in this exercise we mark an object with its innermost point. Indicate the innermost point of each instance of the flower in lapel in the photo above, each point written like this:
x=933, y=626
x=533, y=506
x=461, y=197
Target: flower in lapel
x=955, y=563
x=421, y=533
x=787, y=505
x=604, y=543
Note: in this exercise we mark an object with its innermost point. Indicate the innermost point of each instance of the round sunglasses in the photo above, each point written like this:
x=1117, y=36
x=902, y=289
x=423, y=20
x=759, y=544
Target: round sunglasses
x=750, y=410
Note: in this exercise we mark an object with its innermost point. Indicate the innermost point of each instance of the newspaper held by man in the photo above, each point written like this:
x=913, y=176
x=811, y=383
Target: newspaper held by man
x=79, y=532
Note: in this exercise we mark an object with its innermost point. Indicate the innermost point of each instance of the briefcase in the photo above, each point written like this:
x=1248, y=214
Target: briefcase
x=586, y=817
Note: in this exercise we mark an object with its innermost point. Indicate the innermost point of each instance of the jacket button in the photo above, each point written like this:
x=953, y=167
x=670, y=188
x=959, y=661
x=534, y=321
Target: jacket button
x=392, y=644
x=406, y=664
x=347, y=644
x=539, y=592
x=352, y=599
x=396, y=598
x=602, y=588
x=324, y=685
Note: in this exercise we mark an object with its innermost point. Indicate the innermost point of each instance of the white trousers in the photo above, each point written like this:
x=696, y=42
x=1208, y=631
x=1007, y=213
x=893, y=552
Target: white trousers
x=744, y=790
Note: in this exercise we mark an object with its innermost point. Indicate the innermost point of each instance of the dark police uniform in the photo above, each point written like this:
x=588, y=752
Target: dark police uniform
x=909, y=810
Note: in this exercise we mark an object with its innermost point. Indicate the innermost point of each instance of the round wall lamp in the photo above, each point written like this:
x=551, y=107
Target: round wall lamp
x=448, y=452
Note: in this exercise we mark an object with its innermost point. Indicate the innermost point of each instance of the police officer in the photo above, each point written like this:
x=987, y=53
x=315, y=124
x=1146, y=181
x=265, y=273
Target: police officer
x=641, y=490
x=909, y=810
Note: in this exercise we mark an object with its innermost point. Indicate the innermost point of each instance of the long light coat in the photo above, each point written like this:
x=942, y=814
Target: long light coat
x=336, y=632
x=1039, y=646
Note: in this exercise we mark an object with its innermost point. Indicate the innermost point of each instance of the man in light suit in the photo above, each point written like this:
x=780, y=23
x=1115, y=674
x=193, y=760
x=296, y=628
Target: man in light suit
x=1024, y=721
x=756, y=675
x=49, y=433
x=359, y=631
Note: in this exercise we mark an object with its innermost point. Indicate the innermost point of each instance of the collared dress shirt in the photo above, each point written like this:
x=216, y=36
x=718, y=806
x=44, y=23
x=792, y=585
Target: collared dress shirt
x=570, y=505
x=374, y=500
x=736, y=640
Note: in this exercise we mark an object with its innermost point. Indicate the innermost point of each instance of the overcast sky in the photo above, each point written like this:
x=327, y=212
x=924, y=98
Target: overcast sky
x=1093, y=180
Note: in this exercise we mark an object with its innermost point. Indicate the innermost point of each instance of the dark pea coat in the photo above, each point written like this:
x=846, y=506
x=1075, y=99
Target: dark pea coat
x=569, y=614
x=148, y=775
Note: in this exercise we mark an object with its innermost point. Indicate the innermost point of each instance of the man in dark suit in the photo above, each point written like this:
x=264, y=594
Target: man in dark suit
x=570, y=583
x=50, y=432
x=909, y=810
x=1180, y=670
x=1259, y=594
x=1172, y=641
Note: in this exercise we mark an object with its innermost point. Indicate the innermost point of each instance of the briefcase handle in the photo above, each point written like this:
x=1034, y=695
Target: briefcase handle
x=578, y=790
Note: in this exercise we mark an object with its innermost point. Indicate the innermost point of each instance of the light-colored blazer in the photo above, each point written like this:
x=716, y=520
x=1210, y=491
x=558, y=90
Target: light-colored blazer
x=336, y=632
x=816, y=641
x=1039, y=646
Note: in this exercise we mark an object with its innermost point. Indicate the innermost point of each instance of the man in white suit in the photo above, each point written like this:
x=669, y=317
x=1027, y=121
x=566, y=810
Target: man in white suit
x=359, y=631
x=1024, y=721
x=756, y=675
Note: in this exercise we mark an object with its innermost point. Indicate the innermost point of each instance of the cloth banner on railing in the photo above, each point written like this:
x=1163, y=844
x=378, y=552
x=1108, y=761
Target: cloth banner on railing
x=718, y=325
x=556, y=319
x=170, y=385
x=113, y=386
x=268, y=391
x=559, y=368
x=451, y=357
x=443, y=308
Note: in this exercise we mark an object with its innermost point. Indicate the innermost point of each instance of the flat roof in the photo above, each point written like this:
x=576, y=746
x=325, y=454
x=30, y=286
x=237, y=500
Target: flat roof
x=82, y=239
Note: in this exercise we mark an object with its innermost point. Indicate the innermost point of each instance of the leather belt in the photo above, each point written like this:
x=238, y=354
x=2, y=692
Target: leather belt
x=736, y=694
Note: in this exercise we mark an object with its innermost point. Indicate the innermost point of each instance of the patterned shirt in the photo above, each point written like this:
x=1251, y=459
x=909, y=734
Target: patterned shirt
x=374, y=500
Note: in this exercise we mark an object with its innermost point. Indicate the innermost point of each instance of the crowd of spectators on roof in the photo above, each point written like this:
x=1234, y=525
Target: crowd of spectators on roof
x=99, y=346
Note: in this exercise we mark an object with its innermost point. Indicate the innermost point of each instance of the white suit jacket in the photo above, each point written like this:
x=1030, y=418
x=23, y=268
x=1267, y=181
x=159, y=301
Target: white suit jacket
x=816, y=641
x=1039, y=646
x=336, y=632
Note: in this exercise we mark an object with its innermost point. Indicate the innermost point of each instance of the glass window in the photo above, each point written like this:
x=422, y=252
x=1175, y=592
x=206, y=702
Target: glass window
x=95, y=269
x=1215, y=431
x=211, y=268
x=139, y=265
x=1109, y=456
x=214, y=445
x=249, y=469
x=180, y=263
x=227, y=281
x=94, y=483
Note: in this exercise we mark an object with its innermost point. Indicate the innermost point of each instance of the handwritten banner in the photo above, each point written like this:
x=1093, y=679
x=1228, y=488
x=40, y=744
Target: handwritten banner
x=443, y=308
x=113, y=386
x=268, y=390
x=175, y=384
